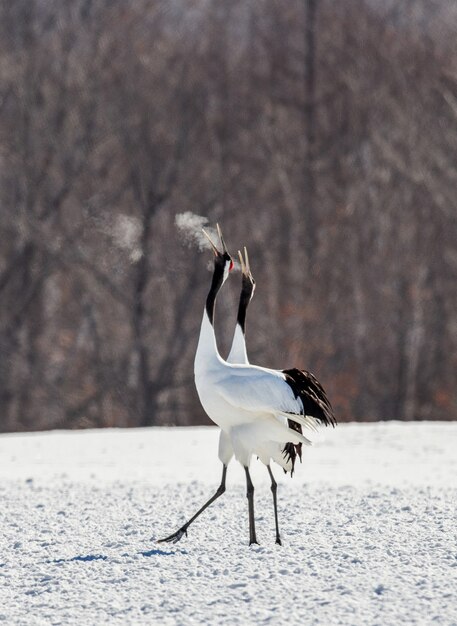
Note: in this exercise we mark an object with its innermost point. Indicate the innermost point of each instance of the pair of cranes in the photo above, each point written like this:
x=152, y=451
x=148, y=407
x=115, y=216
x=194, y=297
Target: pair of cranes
x=260, y=411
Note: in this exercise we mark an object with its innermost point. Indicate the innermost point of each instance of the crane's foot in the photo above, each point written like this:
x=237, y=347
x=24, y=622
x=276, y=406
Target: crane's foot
x=175, y=537
x=278, y=540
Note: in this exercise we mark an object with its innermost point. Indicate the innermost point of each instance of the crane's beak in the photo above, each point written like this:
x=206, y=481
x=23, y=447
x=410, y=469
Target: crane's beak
x=245, y=267
x=248, y=267
x=219, y=232
x=213, y=247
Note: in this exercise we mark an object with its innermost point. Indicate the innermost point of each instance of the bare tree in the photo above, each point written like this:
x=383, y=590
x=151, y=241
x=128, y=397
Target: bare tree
x=322, y=135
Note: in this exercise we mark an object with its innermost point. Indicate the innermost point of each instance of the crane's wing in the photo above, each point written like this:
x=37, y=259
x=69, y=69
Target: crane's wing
x=314, y=399
x=294, y=394
x=258, y=390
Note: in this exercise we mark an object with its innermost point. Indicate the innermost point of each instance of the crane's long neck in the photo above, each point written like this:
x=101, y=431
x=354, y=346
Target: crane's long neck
x=238, y=353
x=207, y=352
x=216, y=284
x=245, y=298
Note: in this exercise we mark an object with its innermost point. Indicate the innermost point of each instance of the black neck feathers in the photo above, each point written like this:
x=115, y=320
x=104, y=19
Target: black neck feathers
x=245, y=298
x=216, y=284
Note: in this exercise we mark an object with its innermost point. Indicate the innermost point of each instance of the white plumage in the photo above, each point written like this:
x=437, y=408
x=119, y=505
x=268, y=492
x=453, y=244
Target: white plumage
x=254, y=406
x=238, y=352
x=247, y=402
x=265, y=450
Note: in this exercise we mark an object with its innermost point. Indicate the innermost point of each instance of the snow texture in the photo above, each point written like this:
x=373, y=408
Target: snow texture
x=368, y=526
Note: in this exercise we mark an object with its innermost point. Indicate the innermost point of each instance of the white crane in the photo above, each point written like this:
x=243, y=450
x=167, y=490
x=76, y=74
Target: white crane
x=251, y=404
x=283, y=454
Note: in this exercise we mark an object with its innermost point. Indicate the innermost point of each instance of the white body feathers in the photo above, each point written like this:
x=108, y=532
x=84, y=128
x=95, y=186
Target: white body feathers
x=249, y=403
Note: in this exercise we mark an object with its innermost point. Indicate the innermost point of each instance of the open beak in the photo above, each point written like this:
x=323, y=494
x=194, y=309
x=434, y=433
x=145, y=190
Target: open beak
x=219, y=232
x=248, y=267
x=245, y=267
x=213, y=245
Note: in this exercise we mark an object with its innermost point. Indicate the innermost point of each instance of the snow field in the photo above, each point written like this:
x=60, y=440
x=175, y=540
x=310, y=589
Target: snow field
x=368, y=525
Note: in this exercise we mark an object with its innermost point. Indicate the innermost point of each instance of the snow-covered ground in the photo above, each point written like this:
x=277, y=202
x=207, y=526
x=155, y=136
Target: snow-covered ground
x=368, y=525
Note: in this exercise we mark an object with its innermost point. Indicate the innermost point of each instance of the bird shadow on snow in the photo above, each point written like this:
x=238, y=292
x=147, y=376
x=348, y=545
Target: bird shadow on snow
x=87, y=557
x=157, y=552
x=101, y=557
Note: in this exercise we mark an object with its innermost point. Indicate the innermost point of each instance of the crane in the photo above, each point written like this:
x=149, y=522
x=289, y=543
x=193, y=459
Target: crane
x=252, y=405
x=283, y=455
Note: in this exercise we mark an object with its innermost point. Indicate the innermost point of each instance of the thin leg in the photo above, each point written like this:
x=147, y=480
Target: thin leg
x=274, y=487
x=250, y=497
x=183, y=530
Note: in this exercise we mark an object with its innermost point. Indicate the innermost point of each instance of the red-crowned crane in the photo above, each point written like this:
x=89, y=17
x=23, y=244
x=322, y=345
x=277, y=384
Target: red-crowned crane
x=252, y=405
x=283, y=455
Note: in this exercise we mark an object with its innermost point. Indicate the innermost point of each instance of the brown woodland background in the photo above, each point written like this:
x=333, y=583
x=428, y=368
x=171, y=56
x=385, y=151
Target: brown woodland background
x=321, y=134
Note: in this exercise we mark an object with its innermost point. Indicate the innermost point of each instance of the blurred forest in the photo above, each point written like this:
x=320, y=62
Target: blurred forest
x=320, y=134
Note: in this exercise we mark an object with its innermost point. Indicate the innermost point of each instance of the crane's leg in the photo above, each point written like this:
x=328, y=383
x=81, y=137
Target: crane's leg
x=183, y=530
x=274, y=487
x=250, y=497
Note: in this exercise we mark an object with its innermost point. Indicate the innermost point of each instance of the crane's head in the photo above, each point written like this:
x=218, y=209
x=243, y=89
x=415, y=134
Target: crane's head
x=223, y=262
x=247, y=280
